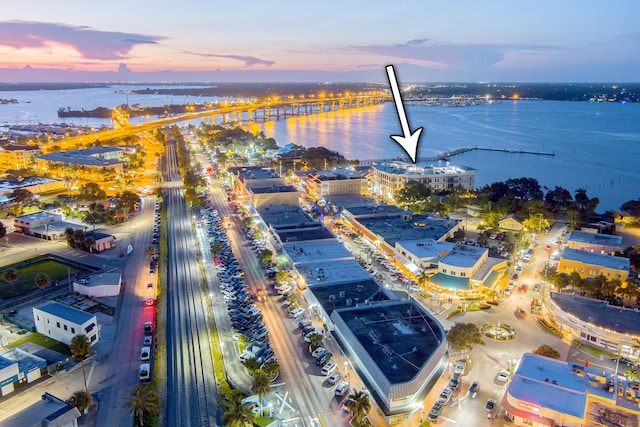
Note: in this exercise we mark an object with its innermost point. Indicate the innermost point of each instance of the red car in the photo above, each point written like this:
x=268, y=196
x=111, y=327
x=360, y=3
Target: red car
x=149, y=302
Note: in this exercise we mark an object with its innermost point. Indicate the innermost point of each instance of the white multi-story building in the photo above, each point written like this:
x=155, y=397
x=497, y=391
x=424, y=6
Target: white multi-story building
x=390, y=177
x=61, y=322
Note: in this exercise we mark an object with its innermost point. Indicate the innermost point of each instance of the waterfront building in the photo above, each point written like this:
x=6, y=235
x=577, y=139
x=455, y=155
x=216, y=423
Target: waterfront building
x=594, y=242
x=548, y=392
x=590, y=264
x=468, y=268
x=18, y=156
x=61, y=322
x=388, y=178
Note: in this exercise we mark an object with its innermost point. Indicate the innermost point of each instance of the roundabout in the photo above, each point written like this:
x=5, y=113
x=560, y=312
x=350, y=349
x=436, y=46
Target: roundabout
x=498, y=332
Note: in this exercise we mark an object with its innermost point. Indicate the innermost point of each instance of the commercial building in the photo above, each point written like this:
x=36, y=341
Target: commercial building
x=99, y=285
x=18, y=156
x=546, y=392
x=17, y=367
x=103, y=241
x=323, y=183
x=596, y=322
x=590, y=265
x=49, y=411
x=44, y=225
x=390, y=177
x=35, y=184
x=272, y=195
x=61, y=322
x=593, y=242
x=98, y=159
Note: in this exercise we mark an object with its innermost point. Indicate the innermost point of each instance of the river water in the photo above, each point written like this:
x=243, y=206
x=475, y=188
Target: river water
x=596, y=145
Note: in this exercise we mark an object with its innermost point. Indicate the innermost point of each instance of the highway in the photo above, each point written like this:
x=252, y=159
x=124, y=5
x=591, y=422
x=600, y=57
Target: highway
x=191, y=387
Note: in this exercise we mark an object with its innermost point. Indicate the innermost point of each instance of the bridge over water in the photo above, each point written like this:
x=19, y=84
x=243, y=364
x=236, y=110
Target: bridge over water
x=446, y=155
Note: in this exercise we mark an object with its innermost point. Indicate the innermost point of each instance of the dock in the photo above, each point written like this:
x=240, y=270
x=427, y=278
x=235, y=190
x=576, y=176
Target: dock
x=447, y=155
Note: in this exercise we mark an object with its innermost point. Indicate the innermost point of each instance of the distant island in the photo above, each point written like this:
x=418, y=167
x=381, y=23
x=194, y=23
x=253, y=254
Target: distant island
x=8, y=101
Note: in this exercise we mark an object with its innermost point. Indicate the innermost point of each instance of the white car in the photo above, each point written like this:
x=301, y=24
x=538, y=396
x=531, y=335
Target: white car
x=503, y=377
x=281, y=285
x=317, y=352
x=296, y=312
x=284, y=290
x=145, y=353
x=342, y=389
x=460, y=367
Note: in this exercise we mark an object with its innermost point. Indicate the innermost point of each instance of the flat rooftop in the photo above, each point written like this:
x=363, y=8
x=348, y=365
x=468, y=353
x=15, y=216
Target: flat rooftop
x=317, y=252
x=65, y=312
x=37, y=216
x=603, y=260
x=549, y=383
x=254, y=172
x=395, y=229
x=298, y=234
x=333, y=272
x=28, y=181
x=284, y=216
x=428, y=249
x=594, y=238
x=26, y=361
x=379, y=210
x=276, y=188
x=343, y=295
x=349, y=201
x=48, y=411
x=80, y=159
x=599, y=313
x=398, y=335
x=464, y=256
x=104, y=279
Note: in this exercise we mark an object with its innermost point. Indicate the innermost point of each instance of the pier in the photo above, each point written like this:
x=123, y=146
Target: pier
x=446, y=155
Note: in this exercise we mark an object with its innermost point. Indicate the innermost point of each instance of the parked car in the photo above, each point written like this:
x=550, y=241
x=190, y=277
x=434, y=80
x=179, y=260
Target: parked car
x=148, y=328
x=435, y=411
x=454, y=383
x=144, y=372
x=329, y=368
x=296, y=312
x=334, y=378
x=490, y=407
x=147, y=340
x=445, y=395
x=342, y=389
x=502, y=377
x=318, y=352
x=304, y=322
x=324, y=358
x=145, y=353
x=460, y=367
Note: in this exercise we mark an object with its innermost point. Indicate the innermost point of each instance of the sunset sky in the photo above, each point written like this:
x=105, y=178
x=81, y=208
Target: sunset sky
x=345, y=40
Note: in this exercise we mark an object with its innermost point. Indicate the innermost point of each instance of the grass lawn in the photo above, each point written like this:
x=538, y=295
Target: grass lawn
x=56, y=270
x=43, y=341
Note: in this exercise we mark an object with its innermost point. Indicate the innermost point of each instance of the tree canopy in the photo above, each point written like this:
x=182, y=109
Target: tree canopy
x=462, y=336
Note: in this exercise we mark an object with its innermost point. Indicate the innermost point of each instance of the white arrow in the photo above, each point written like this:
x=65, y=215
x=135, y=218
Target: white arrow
x=408, y=141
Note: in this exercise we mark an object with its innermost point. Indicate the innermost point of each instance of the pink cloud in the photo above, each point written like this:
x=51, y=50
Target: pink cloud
x=249, y=61
x=89, y=42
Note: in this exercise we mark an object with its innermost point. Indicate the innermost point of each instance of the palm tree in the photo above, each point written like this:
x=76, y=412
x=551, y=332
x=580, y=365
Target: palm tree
x=88, y=243
x=68, y=234
x=80, y=347
x=261, y=386
x=151, y=251
x=315, y=341
x=358, y=405
x=11, y=277
x=42, y=281
x=423, y=279
x=81, y=400
x=236, y=414
x=143, y=400
x=78, y=237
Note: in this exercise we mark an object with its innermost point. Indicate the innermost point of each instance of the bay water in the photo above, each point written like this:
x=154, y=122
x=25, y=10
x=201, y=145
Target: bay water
x=596, y=146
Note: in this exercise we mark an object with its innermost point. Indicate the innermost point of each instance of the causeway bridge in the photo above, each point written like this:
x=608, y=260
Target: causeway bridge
x=236, y=113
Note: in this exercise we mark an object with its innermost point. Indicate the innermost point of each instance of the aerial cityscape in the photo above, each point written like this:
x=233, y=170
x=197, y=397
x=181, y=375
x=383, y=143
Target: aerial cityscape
x=340, y=215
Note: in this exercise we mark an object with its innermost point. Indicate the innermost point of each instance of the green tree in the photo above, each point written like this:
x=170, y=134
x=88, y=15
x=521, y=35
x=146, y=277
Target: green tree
x=80, y=347
x=412, y=193
x=11, y=277
x=151, y=250
x=216, y=248
x=78, y=238
x=143, y=401
x=423, y=279
x=88, y=243
x=266, y=256
x=42, y=281
x=315, y=341
x=21, y=196
x=548, y=351
x=359, y=405
x=631, y=374
x=462, y=336
x=282, y=275
x=261, y=386
x=3, y=230
x=235, y=413
x=129, y=200
x=81, y=400
x=91, y=192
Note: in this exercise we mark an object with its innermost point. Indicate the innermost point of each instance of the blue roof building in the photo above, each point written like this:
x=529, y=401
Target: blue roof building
x=61, y=322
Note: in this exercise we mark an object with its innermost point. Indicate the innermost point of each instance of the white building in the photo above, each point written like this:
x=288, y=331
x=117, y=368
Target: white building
x=48, y=411
x=99, y=285
x=61, y=322
x=18, y=366
x=390, y=177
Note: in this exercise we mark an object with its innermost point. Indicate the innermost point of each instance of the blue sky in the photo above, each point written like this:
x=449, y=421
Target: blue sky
x=510, y=41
